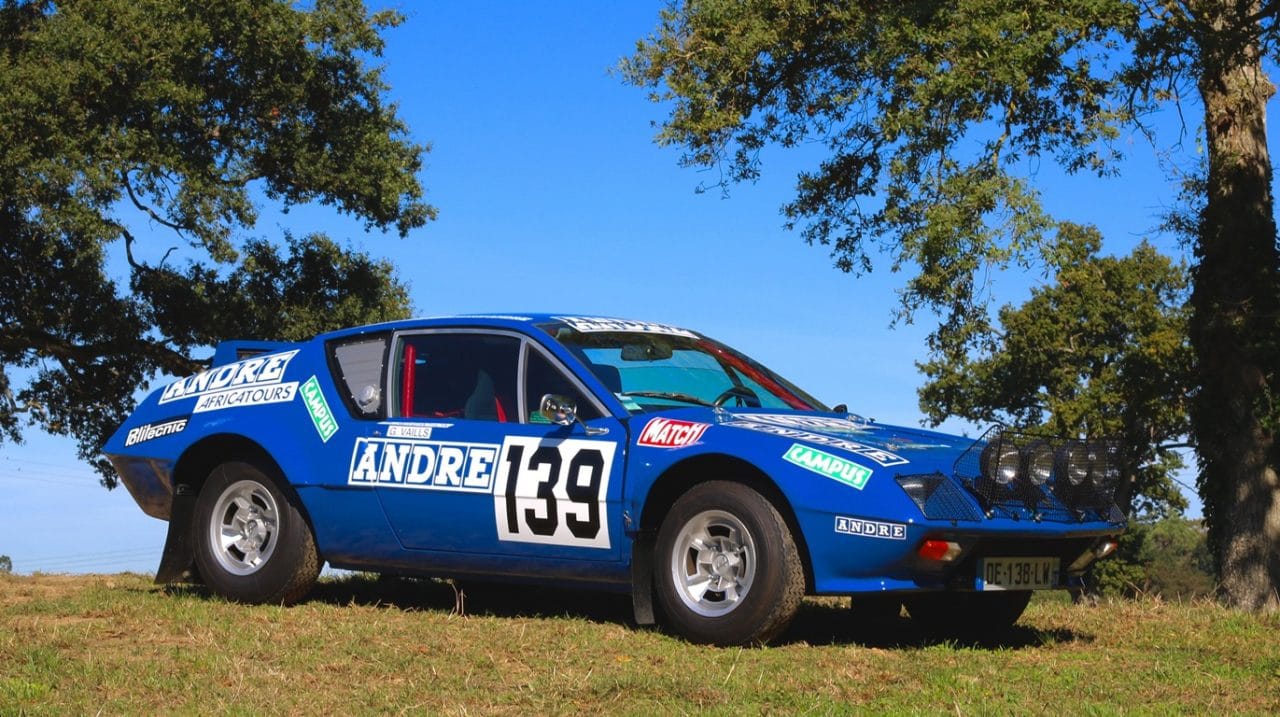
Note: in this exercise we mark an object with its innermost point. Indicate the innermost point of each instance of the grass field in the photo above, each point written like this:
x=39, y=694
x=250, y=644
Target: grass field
x=118, y=644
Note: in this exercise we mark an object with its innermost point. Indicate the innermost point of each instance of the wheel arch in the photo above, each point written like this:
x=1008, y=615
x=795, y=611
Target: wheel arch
x=674, y=482
x=189, y=474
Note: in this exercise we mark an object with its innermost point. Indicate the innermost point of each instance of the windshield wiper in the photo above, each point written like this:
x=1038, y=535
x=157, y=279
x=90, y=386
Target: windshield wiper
x=682, y=397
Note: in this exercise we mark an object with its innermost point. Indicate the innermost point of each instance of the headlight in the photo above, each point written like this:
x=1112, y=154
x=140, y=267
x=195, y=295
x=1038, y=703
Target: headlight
x=1000, y=462
x=1039, y=457
x=1074, y=461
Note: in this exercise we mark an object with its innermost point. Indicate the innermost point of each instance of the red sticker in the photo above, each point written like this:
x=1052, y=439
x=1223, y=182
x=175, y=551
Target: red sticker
x=671, y=433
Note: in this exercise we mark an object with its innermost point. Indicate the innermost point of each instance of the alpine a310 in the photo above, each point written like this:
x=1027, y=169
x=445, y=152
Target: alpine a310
x=608, y=454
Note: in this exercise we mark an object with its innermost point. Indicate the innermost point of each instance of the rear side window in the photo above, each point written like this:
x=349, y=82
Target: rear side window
x=358, y=366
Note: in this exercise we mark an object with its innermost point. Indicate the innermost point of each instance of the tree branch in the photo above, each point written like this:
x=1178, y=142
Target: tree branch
x=47, y=344
x=128, y=250
x=137, y=203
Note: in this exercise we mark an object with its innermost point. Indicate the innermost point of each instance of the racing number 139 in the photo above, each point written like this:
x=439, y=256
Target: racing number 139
x=553, y=491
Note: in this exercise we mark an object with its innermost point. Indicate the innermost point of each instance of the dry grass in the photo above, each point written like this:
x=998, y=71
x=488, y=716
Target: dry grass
x=117, y=644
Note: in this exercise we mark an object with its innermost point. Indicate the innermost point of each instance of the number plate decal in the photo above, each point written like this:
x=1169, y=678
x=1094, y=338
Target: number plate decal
x=553, y=491
x=1018, y=573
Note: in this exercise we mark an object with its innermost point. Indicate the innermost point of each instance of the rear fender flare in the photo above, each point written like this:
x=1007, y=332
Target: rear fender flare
x=189, y=475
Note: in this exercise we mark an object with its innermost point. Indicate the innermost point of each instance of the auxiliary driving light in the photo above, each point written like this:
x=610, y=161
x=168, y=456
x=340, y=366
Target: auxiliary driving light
x=1039, y=457
x=1074, y=461
x=1000, y=462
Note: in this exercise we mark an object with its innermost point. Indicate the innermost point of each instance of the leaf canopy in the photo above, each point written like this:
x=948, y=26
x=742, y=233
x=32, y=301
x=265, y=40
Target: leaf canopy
x=124, y=122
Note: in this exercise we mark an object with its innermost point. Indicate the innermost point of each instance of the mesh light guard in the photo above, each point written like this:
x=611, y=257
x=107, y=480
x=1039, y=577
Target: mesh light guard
x=1094, y=464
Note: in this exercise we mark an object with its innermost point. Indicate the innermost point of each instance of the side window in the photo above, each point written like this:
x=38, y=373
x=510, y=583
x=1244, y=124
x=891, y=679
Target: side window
x=458, y=375
x=541, y=378
x=357, y=365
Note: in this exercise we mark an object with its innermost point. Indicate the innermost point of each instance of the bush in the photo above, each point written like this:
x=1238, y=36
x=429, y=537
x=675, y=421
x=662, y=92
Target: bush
x=1169, y=558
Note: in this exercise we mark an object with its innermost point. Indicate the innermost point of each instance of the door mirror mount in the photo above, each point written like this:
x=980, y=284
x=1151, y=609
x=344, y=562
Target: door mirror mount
x=563, y=411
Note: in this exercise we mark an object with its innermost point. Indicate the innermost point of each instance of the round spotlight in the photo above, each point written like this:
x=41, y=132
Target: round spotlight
x=1104, y=465
x=1074, y=461
x=1000, y=462
x=1039, y=468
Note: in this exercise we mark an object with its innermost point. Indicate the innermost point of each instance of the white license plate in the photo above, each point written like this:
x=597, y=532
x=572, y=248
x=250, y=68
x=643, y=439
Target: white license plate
x=1018, y=573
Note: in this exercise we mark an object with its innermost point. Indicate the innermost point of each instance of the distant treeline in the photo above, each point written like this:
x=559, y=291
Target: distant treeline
x=1169, y=558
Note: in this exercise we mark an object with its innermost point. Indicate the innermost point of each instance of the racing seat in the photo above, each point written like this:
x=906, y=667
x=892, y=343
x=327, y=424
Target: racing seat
x=484, y=404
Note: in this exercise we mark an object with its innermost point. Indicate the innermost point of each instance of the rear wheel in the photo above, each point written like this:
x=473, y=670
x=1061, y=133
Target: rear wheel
x=727, y=570
x=252, y=543
x=977, y=614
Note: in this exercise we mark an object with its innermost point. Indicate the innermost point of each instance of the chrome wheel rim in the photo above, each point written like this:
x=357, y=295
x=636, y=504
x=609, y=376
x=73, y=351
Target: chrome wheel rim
x=713, y=563
x=244, y=527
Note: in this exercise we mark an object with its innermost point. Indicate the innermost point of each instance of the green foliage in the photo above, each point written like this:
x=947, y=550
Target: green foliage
x=930, y=113
x=116, y=114
x=1100, y=351
x=1169, y=558
x=6, y=564
x=929, y=110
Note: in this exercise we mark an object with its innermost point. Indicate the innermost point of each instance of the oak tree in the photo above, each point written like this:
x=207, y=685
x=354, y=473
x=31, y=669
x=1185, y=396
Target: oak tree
x=137, y=141
x=1101, y=350
x=930, y=113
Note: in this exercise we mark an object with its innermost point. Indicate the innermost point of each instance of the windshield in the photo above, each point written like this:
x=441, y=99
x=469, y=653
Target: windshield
x=656, y=367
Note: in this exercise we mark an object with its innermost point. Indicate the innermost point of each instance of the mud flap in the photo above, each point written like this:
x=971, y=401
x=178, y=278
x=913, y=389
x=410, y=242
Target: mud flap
x=642, y=580
x=178, y=550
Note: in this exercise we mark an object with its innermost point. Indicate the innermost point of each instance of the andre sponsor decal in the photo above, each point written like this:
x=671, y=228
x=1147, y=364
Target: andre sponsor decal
x=871, y=528
x=670, y=433
x=429, y=465
x=251, y=382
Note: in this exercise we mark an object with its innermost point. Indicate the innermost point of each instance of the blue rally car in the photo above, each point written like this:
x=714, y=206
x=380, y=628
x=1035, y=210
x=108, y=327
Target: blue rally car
x=610, y=454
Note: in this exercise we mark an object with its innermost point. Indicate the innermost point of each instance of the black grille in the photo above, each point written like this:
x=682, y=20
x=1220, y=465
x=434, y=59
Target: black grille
x=939, y=497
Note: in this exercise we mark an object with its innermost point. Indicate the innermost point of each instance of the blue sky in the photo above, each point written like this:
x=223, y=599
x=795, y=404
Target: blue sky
x=553, y=197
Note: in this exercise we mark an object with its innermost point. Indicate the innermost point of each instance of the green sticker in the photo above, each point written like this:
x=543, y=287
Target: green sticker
x=321, y=416
x=825, y=464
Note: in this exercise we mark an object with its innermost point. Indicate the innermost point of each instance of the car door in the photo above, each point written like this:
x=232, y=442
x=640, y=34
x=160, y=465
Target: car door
x=467, y=464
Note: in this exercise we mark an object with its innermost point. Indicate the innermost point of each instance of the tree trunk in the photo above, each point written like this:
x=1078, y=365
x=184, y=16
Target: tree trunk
x=1235, y=321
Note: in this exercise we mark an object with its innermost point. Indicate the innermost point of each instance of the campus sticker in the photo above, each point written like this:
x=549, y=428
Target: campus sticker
x=825, y=464
x=321, y=416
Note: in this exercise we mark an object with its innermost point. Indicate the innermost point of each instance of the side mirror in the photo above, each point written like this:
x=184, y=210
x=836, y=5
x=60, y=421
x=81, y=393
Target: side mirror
x=558, y=409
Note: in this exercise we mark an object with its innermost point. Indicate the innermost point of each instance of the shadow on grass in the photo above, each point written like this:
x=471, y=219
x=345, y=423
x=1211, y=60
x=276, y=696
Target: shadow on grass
x=825, y=621
x=833, y=622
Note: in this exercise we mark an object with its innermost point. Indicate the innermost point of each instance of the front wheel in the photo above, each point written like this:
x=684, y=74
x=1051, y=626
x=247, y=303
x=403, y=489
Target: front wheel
x=727, y=570
x=252, y=543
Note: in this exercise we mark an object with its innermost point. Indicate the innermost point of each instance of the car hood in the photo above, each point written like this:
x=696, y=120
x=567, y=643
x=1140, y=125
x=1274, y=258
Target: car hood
x=884, y=444
x=873, y=444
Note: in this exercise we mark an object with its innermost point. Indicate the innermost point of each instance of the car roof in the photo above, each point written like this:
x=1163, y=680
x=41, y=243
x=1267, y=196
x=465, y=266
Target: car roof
x=518, y=321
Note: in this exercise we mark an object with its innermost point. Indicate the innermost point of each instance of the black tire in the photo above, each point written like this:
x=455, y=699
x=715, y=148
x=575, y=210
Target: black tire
x=747, y=551
x=252, y=543
x=969, y=615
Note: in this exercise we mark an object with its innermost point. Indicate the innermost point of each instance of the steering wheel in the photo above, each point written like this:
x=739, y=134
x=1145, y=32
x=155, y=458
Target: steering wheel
x=745, y=396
